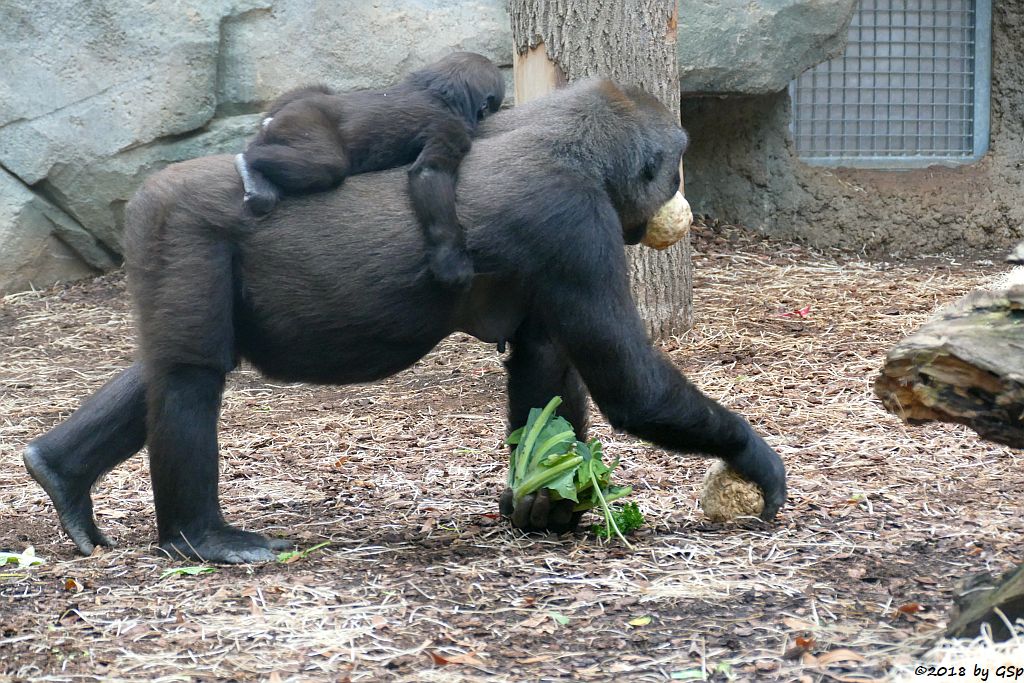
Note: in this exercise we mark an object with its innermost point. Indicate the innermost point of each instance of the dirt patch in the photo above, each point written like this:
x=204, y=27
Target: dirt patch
x=422, y=582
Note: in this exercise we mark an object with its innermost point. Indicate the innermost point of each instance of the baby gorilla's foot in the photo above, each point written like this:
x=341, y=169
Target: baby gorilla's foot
x=451, y=266
x=261, y=195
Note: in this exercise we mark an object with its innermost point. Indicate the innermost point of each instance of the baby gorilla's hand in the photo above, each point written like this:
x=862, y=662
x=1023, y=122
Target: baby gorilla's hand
x=537, y=512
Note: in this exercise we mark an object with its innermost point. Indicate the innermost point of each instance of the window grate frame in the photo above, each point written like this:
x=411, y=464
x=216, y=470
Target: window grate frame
x=824, y=98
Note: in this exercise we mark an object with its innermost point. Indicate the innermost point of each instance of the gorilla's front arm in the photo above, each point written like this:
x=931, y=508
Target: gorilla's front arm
x=588, y=320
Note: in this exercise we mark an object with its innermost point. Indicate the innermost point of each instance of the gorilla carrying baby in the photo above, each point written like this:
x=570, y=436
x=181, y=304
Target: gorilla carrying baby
x=336, y=288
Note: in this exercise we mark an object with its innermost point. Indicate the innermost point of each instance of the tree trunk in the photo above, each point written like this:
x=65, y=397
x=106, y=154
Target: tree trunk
x=632, y=43
x=966, y=365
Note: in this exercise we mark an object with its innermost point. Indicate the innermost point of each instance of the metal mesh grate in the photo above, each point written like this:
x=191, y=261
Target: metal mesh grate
x=904, y=89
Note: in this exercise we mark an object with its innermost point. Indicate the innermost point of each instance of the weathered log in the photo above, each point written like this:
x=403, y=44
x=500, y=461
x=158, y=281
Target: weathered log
x=966, y=365
x=984, y=600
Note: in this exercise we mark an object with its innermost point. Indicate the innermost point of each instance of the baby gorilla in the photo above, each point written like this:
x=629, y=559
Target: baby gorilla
x=313, y=139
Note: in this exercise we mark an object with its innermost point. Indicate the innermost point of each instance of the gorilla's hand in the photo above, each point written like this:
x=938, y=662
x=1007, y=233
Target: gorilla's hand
x=759, y=463
x=537, y=512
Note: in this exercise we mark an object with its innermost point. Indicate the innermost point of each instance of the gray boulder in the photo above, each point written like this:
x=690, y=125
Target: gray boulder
x=96, y=78
x=39, y=244
x=756, y=47
x=95, y=191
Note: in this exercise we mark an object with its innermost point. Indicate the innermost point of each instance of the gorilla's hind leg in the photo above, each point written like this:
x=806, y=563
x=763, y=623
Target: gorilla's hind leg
x=106, y=430
x=187, y=351
x=183, y=404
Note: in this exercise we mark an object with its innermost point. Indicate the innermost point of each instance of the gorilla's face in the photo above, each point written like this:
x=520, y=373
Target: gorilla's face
x=660, y=181
x=653, y=186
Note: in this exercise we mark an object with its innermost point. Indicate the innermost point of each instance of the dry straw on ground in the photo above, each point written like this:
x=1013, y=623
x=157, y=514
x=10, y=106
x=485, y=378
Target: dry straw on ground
x=421, y=583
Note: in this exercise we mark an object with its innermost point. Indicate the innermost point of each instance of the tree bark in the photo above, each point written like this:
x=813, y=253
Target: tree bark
x=966, y=365
x=985, y=600
x=557, y=41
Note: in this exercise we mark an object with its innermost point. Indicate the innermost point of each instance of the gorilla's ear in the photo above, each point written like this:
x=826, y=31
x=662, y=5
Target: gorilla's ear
x=651, y=166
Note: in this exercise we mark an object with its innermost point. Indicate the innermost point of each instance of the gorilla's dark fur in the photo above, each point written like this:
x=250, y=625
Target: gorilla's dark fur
x=335, y=288
x=313, y=139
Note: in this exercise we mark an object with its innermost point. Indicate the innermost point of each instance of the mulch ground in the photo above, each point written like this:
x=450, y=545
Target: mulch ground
x=421, y=581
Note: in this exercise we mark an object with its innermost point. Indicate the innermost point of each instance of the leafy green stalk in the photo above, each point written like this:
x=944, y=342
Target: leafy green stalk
x=609, y=520
x=544, y=476
x=611, y=494
x=628, y=518
x=525, y=448
x=551, y=442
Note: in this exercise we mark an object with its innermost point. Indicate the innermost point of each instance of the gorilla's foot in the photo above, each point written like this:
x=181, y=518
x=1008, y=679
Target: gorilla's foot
x=261, y=195
x=70, y=497
x=225, y=545
x=537, y=512
x=451, y=266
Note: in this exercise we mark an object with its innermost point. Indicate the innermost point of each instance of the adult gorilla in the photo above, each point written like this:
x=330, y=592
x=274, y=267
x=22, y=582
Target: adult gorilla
x=335, y=288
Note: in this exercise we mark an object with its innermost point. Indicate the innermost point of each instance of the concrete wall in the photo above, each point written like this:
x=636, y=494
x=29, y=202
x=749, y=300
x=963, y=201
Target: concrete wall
x=741, y=168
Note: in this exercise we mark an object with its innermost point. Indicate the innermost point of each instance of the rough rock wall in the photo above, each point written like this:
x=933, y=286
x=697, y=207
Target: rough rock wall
x=94, y=96
x=741, y=167
x=739, y=46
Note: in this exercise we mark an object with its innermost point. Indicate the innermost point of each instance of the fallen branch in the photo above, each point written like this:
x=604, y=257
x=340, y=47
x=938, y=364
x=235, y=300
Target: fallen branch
x=988, y=601
x=966, y=365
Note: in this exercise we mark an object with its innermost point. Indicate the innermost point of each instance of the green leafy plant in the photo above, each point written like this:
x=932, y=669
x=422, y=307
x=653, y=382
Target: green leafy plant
x=187, y=571
x=548, y=455
x=628, y=519
x=290, y=556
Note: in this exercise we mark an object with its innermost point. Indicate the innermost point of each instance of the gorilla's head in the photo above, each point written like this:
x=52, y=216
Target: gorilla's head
x=644, y=174
x=470, y=83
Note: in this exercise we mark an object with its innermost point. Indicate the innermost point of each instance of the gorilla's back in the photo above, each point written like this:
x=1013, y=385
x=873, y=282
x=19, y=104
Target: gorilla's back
x=339, y=282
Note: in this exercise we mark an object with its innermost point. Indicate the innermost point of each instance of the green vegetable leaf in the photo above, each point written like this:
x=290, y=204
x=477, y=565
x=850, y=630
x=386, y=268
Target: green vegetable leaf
x=561, y=619
x=564, y=486
x=548, y=455
x=627, y=518
x=187, y=571
x=688, y=675
x=534, y=425
x=515, y=437
x=25, y=559
x=542, y=476
x=616, y=492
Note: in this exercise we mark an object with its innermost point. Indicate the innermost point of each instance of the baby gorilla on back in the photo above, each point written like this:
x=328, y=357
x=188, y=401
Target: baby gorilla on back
x=313, y=139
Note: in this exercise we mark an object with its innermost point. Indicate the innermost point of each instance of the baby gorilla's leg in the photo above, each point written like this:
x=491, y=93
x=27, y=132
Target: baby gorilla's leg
x=261, y=195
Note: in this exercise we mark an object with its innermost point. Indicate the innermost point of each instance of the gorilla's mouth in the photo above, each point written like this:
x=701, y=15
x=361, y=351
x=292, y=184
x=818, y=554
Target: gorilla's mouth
x=633, y=236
